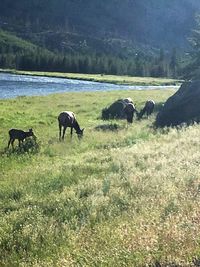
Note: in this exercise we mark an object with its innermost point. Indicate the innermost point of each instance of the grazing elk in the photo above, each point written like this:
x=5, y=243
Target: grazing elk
x=129, y=110
x=68, y=119
x=18, y=134
x=148, y=109
x=116, y=109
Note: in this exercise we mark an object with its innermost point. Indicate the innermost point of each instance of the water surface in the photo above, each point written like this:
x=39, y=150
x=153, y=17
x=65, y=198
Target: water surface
x=12, y=85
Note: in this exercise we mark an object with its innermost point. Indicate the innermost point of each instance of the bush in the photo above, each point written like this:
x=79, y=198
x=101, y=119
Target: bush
x=30, y=145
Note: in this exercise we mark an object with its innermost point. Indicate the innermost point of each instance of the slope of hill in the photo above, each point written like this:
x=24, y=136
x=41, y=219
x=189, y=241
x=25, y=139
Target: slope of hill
x=112, y=37
x=151, y=22
x=9, y=43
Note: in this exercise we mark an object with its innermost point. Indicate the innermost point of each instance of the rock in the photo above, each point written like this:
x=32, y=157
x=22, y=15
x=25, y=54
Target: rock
x=182, y=107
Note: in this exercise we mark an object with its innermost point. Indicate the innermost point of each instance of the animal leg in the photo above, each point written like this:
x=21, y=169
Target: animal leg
x=130, y=117
x=12, y=143
x=71, y=131
x=64, y=129
x=19, y=143
x=9, y=142
x=60, y=131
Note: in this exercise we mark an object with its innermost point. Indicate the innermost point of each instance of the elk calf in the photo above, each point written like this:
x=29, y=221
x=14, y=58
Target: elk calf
x=18, y=134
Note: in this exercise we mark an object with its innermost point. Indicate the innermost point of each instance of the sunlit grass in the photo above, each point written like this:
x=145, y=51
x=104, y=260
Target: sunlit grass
x=125, y=197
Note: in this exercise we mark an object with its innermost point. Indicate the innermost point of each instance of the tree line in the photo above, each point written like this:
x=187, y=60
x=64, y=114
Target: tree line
x=139, y=65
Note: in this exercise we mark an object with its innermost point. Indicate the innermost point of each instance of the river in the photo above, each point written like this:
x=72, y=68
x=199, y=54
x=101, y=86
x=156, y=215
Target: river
x=12, y=85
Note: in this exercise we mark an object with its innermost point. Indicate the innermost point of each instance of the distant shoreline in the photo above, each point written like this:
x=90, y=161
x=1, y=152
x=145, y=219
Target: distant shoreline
x=102, y=78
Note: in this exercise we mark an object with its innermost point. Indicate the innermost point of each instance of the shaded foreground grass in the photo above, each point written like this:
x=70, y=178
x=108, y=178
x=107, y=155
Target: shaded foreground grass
x=115, y=79
x=122, y=197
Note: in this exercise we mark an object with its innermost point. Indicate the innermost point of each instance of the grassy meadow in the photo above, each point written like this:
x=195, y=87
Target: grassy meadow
x=119, y=197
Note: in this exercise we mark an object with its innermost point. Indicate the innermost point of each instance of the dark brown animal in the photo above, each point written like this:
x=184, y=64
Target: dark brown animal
x=68, y=119
x=130, y=110
x=148, y=109
x=18, y=134
x=116, y=109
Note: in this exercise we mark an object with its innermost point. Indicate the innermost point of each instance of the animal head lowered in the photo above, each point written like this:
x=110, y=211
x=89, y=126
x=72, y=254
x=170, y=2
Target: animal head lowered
x=129, y=111
x=148, y=109
x=79, y=133
x=30, y=133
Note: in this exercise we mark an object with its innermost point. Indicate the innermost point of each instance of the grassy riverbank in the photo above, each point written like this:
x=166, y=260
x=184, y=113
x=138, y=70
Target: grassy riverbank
x=125, y=197
x=126, y=80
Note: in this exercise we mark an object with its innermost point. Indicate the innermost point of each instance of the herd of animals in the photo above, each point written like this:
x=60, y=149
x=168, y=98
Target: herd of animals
x=122, y=108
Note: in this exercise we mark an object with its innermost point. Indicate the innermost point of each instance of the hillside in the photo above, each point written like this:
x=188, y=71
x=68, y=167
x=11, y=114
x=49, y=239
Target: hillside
x=138, y=38
x=11, y=43
x=149, y=22
x=16, y=52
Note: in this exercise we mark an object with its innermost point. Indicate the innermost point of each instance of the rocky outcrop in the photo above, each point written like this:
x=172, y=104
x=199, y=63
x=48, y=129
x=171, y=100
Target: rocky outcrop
x=182, y=107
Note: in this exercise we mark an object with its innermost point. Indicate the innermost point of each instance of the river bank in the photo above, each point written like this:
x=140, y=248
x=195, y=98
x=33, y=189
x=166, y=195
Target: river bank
x=14, y=85
x=102, y=78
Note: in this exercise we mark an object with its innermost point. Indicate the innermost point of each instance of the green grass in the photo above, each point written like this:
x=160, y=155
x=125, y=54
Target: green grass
x=115, y=79
x=122, y=197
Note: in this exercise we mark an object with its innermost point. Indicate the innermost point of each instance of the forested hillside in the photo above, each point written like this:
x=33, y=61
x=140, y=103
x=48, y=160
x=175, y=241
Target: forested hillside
x=140, y=30
x=149, y=21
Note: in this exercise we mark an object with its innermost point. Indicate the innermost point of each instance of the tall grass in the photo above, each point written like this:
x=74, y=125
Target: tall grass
x=122, y=197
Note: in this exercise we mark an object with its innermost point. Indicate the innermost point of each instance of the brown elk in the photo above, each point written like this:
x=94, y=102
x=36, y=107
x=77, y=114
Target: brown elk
x=116, y=109
x=68, y=119
x=18, y=134
x=130, y=110
x=148, y=109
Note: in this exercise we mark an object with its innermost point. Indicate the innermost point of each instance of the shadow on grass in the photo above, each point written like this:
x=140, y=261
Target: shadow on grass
x=109, y=127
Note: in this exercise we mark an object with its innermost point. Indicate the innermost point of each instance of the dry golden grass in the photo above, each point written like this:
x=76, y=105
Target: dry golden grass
x=159, y=183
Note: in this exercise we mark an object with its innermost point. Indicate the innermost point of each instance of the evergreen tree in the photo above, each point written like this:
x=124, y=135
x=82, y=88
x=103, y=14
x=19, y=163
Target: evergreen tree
x=173, y=65
x=192, y=69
